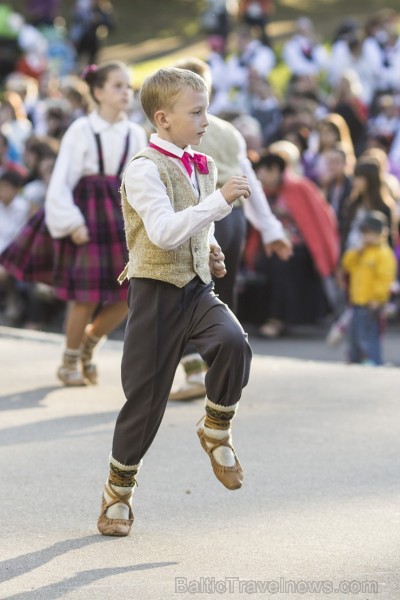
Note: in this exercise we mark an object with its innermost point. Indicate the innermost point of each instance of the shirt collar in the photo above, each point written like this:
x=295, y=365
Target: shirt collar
x=169, y=146
x=99, y=124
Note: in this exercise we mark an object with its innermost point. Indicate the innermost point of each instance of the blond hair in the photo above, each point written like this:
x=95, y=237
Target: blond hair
x=162, y=89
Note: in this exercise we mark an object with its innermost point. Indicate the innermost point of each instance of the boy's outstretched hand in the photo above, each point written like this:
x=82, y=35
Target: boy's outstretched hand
x=217, y=264
x=235, y=187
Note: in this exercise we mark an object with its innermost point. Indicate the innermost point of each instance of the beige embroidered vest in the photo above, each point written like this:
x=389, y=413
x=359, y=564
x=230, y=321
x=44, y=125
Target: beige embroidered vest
x=180, y=265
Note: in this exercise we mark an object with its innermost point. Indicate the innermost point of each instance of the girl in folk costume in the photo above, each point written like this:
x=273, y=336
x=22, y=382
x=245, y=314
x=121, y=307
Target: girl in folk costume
x=83, y=215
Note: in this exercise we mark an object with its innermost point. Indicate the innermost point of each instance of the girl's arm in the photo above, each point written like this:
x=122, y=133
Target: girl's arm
x=62, y=214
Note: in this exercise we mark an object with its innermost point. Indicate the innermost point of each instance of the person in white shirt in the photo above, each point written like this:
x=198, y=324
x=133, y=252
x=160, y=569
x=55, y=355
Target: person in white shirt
x=87, y=249
x=250, y=58
x=14, y=212
x=351, y=54
x=383, y=51
x=169, y=203
x=302, y=54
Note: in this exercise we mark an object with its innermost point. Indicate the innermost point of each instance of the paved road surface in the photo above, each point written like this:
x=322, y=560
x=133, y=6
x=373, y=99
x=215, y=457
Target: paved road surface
x=320, y=445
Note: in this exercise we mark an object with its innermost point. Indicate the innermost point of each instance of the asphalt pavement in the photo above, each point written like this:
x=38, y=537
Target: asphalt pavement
x=318, y=515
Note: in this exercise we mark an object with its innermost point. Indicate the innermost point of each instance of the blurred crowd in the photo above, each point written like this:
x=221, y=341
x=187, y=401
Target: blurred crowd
x=330, y=135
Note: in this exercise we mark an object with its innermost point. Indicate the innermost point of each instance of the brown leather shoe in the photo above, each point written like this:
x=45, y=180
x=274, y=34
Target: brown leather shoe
x=230, y=477
x=114, y=527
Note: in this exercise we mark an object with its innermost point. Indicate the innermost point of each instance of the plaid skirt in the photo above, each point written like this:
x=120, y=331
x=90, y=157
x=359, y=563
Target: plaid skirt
x=87, y=272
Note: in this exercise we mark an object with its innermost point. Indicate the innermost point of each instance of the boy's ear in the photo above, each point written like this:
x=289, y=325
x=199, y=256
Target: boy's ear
x=161, y=119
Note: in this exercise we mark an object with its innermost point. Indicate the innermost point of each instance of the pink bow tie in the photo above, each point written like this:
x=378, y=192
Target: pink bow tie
x=200, y=160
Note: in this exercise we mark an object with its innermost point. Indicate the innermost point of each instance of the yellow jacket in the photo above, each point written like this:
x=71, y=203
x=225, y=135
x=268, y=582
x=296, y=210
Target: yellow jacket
x=372, y=271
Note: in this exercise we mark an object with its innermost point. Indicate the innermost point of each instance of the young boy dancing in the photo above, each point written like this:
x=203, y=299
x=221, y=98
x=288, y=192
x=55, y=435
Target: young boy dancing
x=169, y=204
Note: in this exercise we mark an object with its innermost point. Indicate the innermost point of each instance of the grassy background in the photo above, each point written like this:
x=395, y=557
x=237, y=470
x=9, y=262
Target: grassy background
x=153, y=33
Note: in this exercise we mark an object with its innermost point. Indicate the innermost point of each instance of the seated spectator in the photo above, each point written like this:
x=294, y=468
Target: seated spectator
x=295, y=290
x=216, y=20
x=36, y=149
x=256, y=14
x=336, y=183
x=250, y=57
x=5, y=163
x=76, y=93
x=264, y=106
x=251, y=130
x=331, y=131
x=14, y=124
x=391, y=182
x=345, y=101
x=28, y=89
x=383, y=47
x=35, y=191
x=350, y=54
x=386, y=121
x=14, y=212
x=302, y=53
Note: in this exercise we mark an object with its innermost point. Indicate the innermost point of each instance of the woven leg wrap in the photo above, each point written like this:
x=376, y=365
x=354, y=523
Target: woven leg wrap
x=219, y=417
x=121, y=475
x=193, y=363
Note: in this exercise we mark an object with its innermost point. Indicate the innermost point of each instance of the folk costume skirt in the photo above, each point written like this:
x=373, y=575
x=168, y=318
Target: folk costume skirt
x=87, y=272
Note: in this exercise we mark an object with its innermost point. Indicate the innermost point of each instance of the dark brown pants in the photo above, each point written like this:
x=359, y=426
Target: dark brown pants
x=162, y=319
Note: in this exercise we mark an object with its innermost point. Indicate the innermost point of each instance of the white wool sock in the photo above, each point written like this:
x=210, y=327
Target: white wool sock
x=120, y=510
x=223, y=455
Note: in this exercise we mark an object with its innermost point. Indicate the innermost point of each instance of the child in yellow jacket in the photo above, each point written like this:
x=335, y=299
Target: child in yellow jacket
x=372, y=271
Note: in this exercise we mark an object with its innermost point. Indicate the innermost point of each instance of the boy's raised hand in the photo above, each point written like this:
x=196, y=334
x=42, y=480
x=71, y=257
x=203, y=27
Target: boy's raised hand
x=217, y=264
x=235, y=187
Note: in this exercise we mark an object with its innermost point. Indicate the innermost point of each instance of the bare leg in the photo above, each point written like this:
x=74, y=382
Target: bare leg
x=108, y=319
x=79, y=315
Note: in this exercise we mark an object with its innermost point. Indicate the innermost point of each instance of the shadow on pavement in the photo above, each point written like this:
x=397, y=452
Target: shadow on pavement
x=52, y=429
x=26, y=399
x=15, y=567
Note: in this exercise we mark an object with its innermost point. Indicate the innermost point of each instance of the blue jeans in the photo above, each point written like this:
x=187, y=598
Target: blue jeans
x=365, y=336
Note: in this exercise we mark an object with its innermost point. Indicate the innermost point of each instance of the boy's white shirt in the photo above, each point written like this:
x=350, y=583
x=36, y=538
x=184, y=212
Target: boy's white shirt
x=148, y=196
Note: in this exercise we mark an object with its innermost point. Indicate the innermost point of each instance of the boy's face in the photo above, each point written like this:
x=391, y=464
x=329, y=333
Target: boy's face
x=185, y=123
x=7, y=192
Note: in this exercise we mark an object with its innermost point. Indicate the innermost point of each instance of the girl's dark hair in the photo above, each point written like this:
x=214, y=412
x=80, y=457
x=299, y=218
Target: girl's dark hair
x=369, y=169
x=269, y=160
x=13, y=178
x=96, y=76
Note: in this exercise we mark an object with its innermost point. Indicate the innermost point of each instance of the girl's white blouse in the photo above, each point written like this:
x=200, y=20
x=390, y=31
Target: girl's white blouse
x=78, y=157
